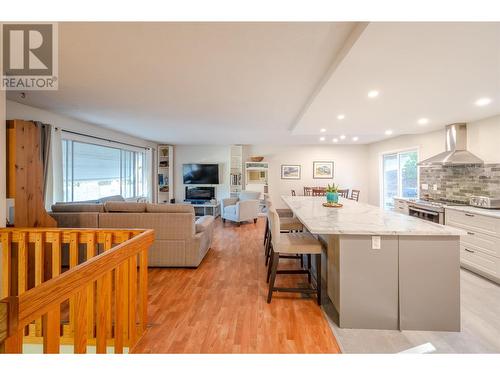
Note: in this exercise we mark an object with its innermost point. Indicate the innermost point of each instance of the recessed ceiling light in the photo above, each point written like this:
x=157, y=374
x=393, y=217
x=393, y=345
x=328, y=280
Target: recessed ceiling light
x=340, y=117
x=322, y=130
x=388, y=132
x=322, y=139
x=373, y=94
x=354, y=139
x=342, y=136
x=335, y=140
x=483, y=101
x=423, y=121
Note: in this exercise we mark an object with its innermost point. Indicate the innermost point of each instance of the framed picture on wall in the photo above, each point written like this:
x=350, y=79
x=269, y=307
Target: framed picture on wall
x=290, y=172
x=322, y=169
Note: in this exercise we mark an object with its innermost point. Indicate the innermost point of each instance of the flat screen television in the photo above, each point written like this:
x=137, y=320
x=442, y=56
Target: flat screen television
x=200, y=174
x=200, y=193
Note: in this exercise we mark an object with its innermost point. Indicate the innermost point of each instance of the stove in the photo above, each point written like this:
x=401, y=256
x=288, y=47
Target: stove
x=431, y=209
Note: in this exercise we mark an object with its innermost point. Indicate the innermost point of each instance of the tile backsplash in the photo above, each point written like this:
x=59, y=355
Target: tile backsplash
x=460, y=182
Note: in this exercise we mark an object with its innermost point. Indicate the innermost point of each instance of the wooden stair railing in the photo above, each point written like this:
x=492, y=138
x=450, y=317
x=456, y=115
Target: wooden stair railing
x=99, y=299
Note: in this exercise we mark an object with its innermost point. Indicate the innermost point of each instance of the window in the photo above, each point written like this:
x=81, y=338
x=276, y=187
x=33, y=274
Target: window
x=400, y=176
x=92, y=171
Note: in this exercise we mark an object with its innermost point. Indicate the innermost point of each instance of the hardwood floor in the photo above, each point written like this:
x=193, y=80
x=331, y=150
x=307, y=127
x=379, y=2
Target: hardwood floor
x=220, y=307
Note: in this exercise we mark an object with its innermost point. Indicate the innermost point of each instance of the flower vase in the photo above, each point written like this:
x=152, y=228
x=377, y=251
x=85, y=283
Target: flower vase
x=332, y=197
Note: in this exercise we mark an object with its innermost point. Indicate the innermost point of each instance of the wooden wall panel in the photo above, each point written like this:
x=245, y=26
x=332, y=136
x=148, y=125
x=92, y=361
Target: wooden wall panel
x=25, y=175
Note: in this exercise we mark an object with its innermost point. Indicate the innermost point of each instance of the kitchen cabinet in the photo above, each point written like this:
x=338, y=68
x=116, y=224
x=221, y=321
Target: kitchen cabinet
x=480, y=248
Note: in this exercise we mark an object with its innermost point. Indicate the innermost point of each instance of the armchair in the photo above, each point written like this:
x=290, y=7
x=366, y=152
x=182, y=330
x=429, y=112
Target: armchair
x=244, y=208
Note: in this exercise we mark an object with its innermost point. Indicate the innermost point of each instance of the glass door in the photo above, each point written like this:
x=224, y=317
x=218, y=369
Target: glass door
x=400, y=176
x=391, y=177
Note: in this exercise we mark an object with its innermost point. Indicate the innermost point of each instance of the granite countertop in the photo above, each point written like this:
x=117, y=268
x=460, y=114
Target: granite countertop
x=361, y=218
x=476, y=210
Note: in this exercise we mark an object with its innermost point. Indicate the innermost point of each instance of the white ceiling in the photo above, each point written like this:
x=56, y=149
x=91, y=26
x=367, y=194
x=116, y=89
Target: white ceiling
x=422, y=70
x=251, y=83
x=192, y=83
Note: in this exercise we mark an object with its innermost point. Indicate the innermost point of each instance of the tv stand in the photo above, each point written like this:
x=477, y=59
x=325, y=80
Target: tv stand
x=203, y=208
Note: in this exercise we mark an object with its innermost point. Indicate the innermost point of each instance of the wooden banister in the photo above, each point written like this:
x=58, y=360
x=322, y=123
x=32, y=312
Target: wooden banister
x=107, y=293
x=55, y=291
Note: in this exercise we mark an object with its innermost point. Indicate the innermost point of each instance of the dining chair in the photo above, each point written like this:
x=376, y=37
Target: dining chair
x=318, y=192
x=355, y=195
x=307, y=191
x=344, y=193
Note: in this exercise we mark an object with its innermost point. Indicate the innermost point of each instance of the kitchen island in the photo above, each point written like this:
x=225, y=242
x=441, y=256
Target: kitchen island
x=385, y=270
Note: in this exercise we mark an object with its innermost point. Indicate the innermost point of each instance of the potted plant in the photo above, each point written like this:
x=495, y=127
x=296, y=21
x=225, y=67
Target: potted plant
x=332, y=195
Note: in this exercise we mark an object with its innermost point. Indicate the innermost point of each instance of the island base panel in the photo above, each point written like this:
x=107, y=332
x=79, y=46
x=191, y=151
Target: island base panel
x=429, y=283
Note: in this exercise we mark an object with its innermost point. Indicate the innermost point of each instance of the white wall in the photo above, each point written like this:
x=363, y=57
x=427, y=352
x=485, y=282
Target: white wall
x=3, y=162
x=24, y=112
x=349, y=168
x=482, y=140
x=3, y=170
x=202, y=154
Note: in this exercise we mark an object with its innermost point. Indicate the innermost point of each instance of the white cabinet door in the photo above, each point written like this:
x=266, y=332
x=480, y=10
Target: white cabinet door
x=474, y=222
x=476, y=260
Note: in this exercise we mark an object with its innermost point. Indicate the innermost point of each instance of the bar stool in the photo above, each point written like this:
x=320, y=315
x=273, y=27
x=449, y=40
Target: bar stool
x=288, y=244
x=287, y=224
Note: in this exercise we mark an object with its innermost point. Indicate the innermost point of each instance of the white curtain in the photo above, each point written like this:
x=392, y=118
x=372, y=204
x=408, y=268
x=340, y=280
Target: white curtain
x=151, y=175
x=54, y=192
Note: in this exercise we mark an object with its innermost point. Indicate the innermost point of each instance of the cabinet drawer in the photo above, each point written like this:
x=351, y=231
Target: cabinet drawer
x=473, y=222
x=401, y=206
x=486, y=243
x=483, y=262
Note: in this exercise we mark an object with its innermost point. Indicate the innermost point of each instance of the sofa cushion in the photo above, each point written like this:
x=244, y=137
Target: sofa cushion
x=203, y=223
x=112, y=198
x=230, y=210
x=111, y=206
x=170, y=208
x=247, y=195
x=76, y=219
x=77, y=207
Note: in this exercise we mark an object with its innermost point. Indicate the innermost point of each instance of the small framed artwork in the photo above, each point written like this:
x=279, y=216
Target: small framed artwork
x=323, y=169
x=290, y=172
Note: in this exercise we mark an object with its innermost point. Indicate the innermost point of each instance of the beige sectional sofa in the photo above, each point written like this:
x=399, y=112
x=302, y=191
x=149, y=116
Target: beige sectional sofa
x=181, y=241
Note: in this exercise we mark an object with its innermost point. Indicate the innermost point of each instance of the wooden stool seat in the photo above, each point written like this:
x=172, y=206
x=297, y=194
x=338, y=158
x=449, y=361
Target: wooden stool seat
x=290, y=224
x=297, y=243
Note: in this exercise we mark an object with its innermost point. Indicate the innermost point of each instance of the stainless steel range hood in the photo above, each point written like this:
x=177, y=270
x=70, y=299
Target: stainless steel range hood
x=456, y=149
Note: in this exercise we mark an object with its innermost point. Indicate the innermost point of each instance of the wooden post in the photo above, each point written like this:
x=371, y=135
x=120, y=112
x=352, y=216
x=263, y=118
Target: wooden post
x=80, y=338
x=6, y=264
x=143, y=290
x=73, y=262
x=102, y=308
x=39, y=271
x=11, y=337
x=91, y=242
x=52, y=320
x=120, y=306
x=132, y=303
x=108, y=245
